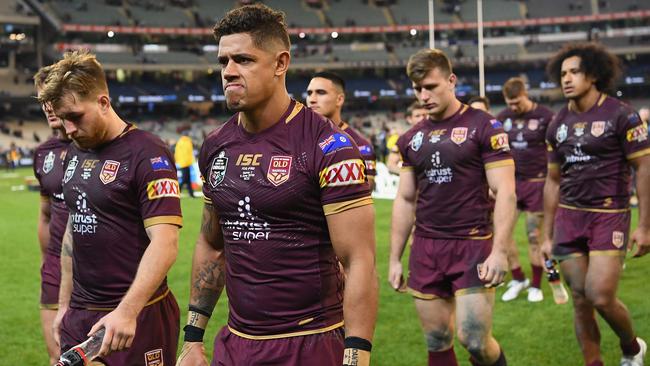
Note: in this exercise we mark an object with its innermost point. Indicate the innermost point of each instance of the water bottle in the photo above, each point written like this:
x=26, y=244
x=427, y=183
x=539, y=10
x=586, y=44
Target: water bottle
x=560, y=294
x=83, y=353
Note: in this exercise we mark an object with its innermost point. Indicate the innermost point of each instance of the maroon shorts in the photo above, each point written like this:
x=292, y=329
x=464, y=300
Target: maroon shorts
x=530, y=195
x=446, y=267
x=156, y=335
x=579, y=233
x=320, y=349
x=50, y=281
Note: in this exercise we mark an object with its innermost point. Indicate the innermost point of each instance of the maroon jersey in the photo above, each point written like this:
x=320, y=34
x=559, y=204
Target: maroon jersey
x=48, y=169
x=526, y=133
x=592, y=149
x=449, y=158
x=272, y=191
x=114, y=193
x=365, y=148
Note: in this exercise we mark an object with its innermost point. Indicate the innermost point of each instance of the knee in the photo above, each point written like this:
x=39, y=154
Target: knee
x=474, y=342
x=439, y=339
x=600, y=300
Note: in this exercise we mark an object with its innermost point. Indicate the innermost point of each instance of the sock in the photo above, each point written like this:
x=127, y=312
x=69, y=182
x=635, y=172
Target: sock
x=631, y=348
x=596, y=363
x=501, y=361
x=537, y=276
x=443, y=358
x=518, y=275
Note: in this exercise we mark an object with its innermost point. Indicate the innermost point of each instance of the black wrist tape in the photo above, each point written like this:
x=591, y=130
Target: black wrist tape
x=200, y=311
x=193, y=334
x=358, y=343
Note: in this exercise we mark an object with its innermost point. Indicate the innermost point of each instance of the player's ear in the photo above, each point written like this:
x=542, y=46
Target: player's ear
x=104, y=103
x=340, y=99
x=452, y=79
x=282, y=60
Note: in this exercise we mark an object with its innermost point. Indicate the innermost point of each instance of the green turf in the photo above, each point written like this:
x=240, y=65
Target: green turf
x=531, y=334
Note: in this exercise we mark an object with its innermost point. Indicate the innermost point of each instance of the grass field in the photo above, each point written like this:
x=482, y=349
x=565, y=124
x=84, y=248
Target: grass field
x=531, y=334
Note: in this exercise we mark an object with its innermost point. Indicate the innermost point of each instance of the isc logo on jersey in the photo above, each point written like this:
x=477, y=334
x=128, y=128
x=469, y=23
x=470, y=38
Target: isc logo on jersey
x=499, y=141
x=160, y=188
x=344, y=173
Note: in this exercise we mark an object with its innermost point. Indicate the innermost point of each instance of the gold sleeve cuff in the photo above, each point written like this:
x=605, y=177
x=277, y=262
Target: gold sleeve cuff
x=174, y=220
x=500, y=163
x=638, y=154
x=45, y=198
x=334, y=208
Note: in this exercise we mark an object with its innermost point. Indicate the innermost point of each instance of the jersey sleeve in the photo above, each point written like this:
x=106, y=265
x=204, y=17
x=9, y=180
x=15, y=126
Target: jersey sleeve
x=341, y=171
x=400, y=148
x=495, y=148
x=157, y=185
x=632, y=134
x=552, y=155
x=369, y=157
x=43, y=192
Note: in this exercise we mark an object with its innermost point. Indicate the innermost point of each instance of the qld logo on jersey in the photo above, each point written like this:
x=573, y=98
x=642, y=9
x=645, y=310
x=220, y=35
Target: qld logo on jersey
x=279, y=169
x=48, y=163
x=69, y=170
x=533, y=124
x=165, y=187
x=218, y=169
x=109, y=171
x=154, y=358
x=459, y=135
x=597, y=128
x=334, y=143
x=343, y=173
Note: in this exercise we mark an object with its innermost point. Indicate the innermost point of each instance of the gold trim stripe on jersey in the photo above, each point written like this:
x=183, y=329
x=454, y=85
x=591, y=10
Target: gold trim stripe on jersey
x=285, y=335
x=638, y=154
x=599, y=210
x=174, y=220
x=151, y=302
x=334, y=208
x=499, y=164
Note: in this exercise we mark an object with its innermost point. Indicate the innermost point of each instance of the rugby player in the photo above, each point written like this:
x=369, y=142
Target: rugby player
x=592, y=142
x=449, y=162
x=525, y=122
x=122, y=232
x=482, y=103
x=414, y=114
x=284, y=199
x=53, y=215
x=326, y=95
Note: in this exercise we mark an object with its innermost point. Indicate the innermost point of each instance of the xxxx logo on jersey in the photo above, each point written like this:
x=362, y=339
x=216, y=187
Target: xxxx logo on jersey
x=346, y=172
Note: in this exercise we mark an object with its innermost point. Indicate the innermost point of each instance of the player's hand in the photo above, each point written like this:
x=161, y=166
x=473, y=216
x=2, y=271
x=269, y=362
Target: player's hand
x=546, y=249
x=494, y=269
x=120, y=327
x=395, y=276
x=56, y=325
x=192, y=354
x=640, y=242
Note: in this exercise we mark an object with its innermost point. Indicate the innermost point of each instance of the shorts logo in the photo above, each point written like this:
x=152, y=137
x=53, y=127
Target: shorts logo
x=638, y=134
x=416, y=141
x=343, y=173
x=459, y=135
x=597, y=128
x=618, y=238
x=48, y=163
x=218, y=169
x=562, y=133
x=154, y=358
x=499, y=142
x=109, y=171
x=279, y=169
x=69, y=171
x=533, y=124
x=160, y=188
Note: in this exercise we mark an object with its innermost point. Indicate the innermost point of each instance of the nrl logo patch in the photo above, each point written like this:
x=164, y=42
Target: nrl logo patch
x=69, y=171
x=279, y=169
x=218, y=169
x=48, y=163
x=416, y=141
x=459, y=135
x=154, y=358
x=109, y=171
x=562, y=133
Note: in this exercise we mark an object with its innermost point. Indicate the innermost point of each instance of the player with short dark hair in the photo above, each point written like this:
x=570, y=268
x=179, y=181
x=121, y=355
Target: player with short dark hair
x=450, y=160
x=53, y=215
x=414, y=114
x=122, y=232
x=525, y=122
x=284, y=189
x=592, y=142
x=482, y=103
x=326, y=95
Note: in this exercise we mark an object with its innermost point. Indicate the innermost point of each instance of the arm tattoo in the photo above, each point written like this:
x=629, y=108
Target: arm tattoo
x=208, y=284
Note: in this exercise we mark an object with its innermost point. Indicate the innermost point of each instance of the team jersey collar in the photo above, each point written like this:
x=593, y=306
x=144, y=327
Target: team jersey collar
x=599, y=102
x=292, y=111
